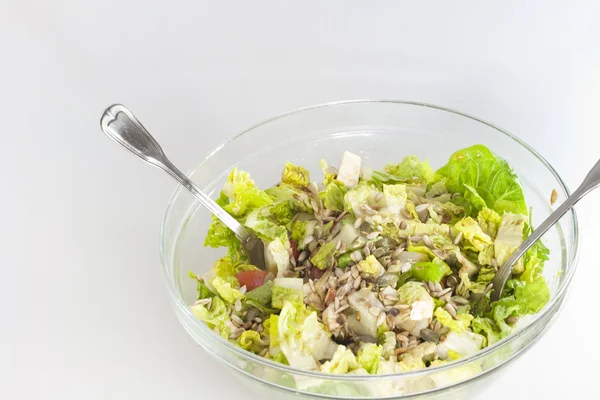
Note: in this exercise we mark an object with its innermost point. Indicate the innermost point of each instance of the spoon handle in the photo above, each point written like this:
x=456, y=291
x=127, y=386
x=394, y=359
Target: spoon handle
x=124, y=128
x=591, y=181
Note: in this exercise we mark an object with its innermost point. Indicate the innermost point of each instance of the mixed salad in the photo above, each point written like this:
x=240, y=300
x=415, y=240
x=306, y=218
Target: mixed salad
x=374, y=271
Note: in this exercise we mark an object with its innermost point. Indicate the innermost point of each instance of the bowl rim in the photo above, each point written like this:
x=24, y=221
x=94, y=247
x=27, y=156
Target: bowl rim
x=179, y=302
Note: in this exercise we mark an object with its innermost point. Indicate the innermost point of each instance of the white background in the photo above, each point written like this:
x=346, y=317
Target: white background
x=84, y=308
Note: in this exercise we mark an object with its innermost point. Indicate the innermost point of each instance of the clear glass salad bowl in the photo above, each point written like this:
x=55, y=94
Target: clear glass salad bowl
x=380, y=132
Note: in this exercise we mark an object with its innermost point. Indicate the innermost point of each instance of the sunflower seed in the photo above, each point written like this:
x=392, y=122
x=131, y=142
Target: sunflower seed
x=302, y=256
x=372, y=235
x=393, y=267
x=356, y=256
x=338, y=272
x=405, y=267
x=358, y=222
x=438, y=287
x=342, y=308
x=357, y=282
x=512, y=320
x=365, y=227
x=415, y=238
x=312, y=246
x=355, y=271
x=308, y=239
x=421, y=207
x=387, y=280
x=458, y=237
x=318, y=232
x=237, y=320
x=401, y=337
x=403, y=225
x=381, y=319
x=203, y=301
x=236, y=333
x=384, y=261
x=379, y=252
x=448, y=307
x=346, y=275
x=366, y=251
x=430, y=336
x=460, y=300
x=452, y=281
x=431, y=286
x=428, y=242
x=251, y=314
x=314, y=205
x=443, y=292
x=358, y=242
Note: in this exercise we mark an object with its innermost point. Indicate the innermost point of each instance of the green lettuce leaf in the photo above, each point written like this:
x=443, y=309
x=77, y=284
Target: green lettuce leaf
x=259, y=221
x=298, y=232
x=369, y=357
x=473, y=233
x=203, y=290
x=487, y=328
x=389, y=344
x=216, y=317
x=432, y=271
x=280, y=358
x=528, y=298
x=486, y=274
x=324, y=256
x=437, y=189
x=295, y=175
x=225, y=289
x=483, y=176
x=243, y=193
x=299, y=335
x=411, y=170
x=361, y=195
x=535, y=257
x=342, y=362
x=489, y=220
x=262, y=294
x=458, y=325
x=333, y=196
x=282, y=294
x=370, y=265
x=328, y=173
x=251, y=341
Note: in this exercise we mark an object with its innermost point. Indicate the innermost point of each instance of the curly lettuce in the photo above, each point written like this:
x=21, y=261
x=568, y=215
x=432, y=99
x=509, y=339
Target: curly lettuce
x=484, y=180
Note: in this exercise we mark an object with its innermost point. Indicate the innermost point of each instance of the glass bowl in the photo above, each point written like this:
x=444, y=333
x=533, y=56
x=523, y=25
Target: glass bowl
x=380, y=132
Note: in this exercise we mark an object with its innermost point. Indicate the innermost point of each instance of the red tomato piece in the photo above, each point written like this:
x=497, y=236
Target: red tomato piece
x=295, y=252
x=251, y=279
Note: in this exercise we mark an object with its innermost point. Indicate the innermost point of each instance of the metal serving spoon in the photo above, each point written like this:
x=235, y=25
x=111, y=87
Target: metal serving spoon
x=591, y=181
x=124, y=128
